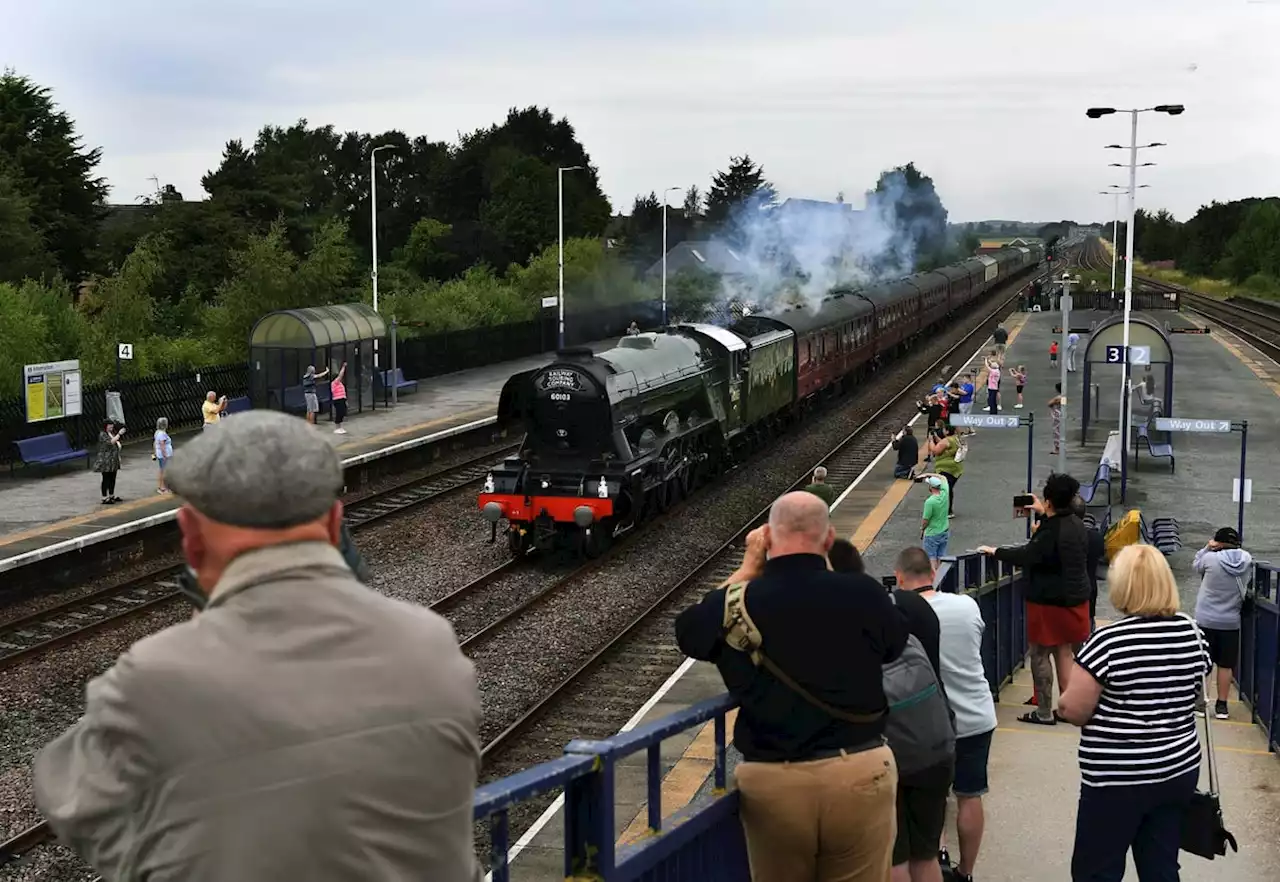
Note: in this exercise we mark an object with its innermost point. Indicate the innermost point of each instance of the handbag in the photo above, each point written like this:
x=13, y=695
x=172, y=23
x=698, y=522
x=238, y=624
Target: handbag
x=1203, y=831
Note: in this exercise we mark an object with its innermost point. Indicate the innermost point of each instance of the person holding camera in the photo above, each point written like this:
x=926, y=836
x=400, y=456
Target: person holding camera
x=1225, y=570
x=948, y=460
x=908, y=453
x=1056, y=564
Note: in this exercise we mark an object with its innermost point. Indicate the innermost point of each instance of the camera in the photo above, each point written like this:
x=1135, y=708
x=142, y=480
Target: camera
x=889, y=582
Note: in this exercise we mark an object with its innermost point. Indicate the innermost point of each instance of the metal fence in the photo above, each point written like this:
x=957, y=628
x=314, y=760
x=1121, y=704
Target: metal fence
x=1259, y=672
x=176, y=396
x=703, y=842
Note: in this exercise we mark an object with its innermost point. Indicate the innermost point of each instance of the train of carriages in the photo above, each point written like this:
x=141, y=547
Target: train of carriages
x=614, y=438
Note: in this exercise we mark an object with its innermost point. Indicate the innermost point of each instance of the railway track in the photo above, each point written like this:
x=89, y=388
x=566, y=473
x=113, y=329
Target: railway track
x=40, y=632
x=644, y=645
x=1250, y=320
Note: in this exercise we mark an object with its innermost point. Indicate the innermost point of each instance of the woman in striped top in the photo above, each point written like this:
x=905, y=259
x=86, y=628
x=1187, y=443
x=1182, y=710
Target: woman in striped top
x=1139, y=754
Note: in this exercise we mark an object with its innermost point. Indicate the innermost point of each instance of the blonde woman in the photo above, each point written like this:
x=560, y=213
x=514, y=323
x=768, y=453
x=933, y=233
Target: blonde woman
x=1139, y=754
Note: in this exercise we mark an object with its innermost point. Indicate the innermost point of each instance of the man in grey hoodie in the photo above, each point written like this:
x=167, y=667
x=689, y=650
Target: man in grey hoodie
x=1225, y=570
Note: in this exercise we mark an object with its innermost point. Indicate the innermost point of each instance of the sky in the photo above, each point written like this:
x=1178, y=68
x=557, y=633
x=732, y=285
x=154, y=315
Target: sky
x=986, y=97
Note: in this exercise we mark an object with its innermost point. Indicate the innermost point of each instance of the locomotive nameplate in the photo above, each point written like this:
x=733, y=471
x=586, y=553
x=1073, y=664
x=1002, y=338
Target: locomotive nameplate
x=560, y=378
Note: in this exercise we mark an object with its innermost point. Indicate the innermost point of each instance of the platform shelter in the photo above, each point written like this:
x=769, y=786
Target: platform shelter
x=1105, y=349
x=282, y=345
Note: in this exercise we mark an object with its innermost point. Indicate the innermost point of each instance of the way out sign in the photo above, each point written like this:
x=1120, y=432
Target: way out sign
x=124, y=351
x=1176, y=424
x=983, y=421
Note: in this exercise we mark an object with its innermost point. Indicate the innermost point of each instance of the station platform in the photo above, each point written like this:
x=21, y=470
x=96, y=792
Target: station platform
x=1031, y=808
x=44, y=508
x=1082, y=320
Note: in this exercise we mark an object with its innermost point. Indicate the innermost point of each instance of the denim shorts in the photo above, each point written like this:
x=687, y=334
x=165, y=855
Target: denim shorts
x=972, y=753
x=160, y=461
x=936, y=546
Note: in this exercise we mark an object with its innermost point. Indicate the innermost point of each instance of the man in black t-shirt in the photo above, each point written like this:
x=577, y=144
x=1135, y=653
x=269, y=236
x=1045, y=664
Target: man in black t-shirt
x=908, y=453
x=812, y=720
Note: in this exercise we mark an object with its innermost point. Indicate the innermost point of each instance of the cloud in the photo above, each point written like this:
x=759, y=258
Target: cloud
x=986, y=99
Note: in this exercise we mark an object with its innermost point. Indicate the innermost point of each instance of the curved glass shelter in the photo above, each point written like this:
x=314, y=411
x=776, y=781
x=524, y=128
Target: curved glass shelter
x=283, y=344
x=1155, y=375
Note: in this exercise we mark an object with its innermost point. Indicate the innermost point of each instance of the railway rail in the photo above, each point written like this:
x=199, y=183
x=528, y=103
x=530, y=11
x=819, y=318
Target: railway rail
x=644, y=643
x=1248, y=319
x=65, y=623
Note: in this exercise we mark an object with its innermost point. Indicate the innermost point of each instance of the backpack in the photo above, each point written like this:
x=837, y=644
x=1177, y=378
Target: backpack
x=920, y=726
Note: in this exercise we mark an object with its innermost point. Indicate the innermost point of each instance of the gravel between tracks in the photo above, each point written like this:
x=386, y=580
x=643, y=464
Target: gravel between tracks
x=424, y=554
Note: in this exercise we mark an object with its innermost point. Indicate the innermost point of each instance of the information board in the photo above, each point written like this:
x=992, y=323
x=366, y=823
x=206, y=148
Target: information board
x=52, y=390
x=1175, y=424
x=983, y=421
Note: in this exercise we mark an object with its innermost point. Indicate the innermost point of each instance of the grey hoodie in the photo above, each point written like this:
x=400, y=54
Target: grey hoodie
x=1222, y=574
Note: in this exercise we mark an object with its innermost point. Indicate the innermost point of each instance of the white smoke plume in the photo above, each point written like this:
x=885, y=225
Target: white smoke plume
x=798, y=252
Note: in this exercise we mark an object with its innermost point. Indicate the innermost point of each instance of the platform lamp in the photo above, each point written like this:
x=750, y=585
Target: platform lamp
x=1115, y=190
x=560, y=191
x=1096, y=113
x=373, y=230
x=664, y=251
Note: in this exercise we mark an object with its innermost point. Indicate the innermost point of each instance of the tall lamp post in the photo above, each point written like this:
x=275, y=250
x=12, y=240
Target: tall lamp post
x=560, y=181
x=664, y=252
x=373, y=230
x=1114, y=190
x=1096, y=113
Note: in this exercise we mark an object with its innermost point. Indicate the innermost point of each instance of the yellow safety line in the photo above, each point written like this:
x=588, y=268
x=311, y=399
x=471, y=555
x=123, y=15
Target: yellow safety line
x=1260, y=369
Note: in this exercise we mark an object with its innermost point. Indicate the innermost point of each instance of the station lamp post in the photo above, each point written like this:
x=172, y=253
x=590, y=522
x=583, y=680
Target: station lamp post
x=1096, y=113
x=664, y=251
x=1114, y=190
x=373, y=229
x=560, y=181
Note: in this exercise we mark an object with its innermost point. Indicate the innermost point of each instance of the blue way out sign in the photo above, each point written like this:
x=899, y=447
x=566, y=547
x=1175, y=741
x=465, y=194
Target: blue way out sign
x=983, y=421
x=1175, y=424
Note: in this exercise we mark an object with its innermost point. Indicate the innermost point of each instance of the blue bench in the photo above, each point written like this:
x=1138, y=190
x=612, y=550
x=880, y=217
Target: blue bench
x=295, y=402
x=395, y=379
x=1143, y=436
x=1100, y=477
x=1164, y=533
x=238, y=405
x=46, y=450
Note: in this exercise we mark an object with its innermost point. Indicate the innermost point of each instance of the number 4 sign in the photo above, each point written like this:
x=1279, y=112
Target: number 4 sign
x=124, y=351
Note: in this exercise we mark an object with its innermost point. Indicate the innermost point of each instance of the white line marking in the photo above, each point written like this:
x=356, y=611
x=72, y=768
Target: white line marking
x=79, y=544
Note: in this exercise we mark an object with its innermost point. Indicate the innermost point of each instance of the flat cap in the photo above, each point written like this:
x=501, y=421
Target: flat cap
x=259, y=469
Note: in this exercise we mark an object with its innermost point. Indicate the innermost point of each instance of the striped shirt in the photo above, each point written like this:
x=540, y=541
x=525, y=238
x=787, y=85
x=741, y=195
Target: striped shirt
x=1144, y=728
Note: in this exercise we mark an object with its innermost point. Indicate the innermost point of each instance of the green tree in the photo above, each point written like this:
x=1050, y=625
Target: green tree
x=41, y=152
x=643, y=231
x=262, y=283
x=24, y=335
x=1255, y=247
x=737, y=196
x=428, y=252
x=693, y=205
x=22, y=251
x=909, y=201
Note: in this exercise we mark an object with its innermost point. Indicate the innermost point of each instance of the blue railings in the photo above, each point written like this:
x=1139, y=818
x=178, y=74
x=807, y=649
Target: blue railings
x=703, y=842
x=1259, y=672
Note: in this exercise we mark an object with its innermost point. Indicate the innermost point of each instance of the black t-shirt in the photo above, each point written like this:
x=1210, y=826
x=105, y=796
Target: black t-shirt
x=1000, y=335
x=830, y=632
x=908, y=451
x=922, y=623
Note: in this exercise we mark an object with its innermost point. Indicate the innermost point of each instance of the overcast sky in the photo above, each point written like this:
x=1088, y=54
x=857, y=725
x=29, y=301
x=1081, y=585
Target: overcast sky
x=987, y=97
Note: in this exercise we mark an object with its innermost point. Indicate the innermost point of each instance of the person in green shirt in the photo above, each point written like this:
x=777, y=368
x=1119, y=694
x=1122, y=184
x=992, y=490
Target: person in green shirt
x=944, y=451
x=820, y=488
x=935, y=528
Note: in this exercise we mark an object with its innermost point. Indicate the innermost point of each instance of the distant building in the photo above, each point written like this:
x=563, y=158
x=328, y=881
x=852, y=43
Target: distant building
x=986, y=246
x=713, y=256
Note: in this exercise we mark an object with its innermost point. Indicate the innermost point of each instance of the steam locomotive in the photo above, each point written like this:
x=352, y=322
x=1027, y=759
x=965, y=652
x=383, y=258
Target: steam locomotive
x=613, y=438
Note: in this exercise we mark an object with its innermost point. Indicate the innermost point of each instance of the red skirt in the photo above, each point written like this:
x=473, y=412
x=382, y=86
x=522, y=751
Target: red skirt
x=1057, y=625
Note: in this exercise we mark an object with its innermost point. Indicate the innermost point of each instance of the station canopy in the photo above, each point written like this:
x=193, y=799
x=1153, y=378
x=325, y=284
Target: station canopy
x=317, y=327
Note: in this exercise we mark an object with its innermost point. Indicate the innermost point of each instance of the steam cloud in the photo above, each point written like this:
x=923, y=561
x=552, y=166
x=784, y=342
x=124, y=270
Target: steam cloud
x=799, y=254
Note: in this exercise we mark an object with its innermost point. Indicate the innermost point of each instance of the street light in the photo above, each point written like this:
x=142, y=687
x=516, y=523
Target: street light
x=560, y=181
x=1095, y=113
x=664, y=252
x=373, y=230
x=1115, y=190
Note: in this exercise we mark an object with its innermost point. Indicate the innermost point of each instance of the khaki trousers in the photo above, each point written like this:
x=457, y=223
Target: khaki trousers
x=831, y=820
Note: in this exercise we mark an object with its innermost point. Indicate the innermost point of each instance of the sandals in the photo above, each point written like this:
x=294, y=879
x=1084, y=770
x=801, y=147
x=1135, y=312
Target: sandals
x=1034, y=718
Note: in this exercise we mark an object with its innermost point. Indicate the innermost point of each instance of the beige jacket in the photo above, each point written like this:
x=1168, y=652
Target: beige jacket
x=303, y=728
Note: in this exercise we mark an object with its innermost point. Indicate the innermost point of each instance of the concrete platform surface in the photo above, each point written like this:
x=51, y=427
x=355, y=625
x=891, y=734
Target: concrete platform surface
x=40, y=507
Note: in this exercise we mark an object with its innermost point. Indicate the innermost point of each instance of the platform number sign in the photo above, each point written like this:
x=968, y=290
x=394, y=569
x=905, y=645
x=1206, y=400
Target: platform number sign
x=124, y=351
x=1115, y=355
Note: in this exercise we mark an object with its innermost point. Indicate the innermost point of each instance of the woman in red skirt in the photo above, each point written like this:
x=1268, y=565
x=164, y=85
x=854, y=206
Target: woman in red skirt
x=1056, y=564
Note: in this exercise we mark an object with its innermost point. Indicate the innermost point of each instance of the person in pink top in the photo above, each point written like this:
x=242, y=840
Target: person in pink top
x=993, y=385
x=338, y=394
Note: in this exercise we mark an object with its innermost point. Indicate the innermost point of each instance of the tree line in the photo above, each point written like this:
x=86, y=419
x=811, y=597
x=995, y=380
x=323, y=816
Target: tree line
x=466, y=235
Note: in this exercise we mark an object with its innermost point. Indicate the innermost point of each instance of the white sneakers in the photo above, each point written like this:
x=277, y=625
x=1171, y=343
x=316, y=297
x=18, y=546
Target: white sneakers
x=339, y=431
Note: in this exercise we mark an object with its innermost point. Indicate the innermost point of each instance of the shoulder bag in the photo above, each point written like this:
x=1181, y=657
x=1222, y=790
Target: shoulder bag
x=1203, y=831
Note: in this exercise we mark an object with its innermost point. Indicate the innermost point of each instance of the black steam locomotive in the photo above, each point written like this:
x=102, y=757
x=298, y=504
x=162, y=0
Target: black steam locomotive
x=615, y=437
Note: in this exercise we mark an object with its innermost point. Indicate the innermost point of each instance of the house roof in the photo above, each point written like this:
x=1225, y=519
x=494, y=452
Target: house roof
x=711, y=256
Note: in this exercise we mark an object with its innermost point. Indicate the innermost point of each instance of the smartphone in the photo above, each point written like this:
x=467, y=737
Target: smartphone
x=889, y=582
x=1023, y=500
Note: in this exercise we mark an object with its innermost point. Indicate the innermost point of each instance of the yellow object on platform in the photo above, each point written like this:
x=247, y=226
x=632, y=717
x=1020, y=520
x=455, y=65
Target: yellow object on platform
x=1126, y=531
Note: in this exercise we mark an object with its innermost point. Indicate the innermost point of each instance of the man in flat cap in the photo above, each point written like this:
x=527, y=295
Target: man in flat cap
x=301, y=727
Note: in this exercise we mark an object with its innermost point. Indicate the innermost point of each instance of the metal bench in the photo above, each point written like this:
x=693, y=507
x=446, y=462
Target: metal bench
x=395, y=379
x=46, y=450
x=1164, y=533
x=238, y=405
x=1157, y=450
x=1100, y=477
x=296, y=402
